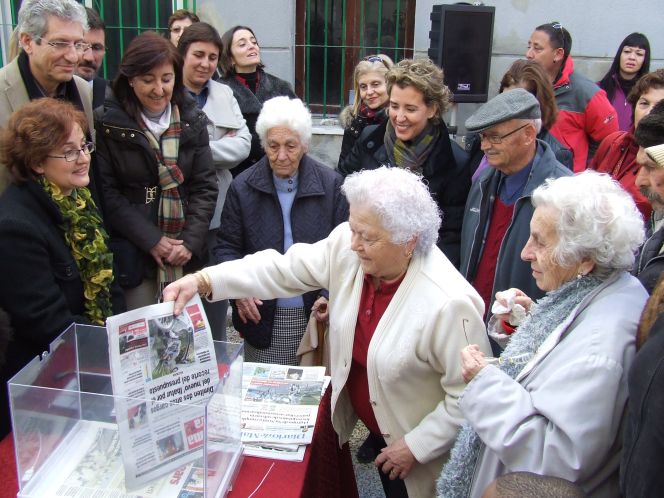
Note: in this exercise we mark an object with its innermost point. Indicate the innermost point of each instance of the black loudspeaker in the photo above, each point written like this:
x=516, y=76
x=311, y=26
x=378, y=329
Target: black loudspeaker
x=461, y=40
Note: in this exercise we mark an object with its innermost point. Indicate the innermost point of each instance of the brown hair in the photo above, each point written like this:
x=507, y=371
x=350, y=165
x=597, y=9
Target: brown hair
x=145, y=52
x=180, y=14
x=646, y=82
x=530, y=75
x=199, y=32
x=35, y=131
x=425, y=77
x=226, y=59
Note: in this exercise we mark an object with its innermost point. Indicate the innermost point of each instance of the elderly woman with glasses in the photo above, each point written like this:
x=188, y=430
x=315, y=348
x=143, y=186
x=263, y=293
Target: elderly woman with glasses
x=54, y=259
x=370, y=101
x=553, y=403
x=399, y=314
x=159, y=183
x=285, y=198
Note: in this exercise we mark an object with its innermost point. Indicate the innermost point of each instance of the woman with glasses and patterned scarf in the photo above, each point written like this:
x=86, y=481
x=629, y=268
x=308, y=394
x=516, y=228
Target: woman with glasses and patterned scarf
x=370, y=100
x=416, y=138
x=159, y=182
x=554, y=402
x=54, y=259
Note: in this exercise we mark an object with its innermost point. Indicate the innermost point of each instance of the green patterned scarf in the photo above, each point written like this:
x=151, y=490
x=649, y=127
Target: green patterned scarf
x=411, y=156
x=86, y=239
x=171, y=210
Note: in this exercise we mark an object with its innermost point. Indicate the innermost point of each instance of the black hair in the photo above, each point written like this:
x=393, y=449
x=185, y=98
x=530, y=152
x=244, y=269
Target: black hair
x=608, y=82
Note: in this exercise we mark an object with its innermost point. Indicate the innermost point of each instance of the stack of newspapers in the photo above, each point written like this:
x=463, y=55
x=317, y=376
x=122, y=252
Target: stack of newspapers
x=279, y=409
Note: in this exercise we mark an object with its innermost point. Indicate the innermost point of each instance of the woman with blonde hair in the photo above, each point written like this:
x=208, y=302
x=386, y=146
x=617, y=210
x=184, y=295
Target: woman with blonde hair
x=370, y=102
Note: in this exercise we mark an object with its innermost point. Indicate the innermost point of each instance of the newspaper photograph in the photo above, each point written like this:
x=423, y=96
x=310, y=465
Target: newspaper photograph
x=279, y=409
x=163, y=370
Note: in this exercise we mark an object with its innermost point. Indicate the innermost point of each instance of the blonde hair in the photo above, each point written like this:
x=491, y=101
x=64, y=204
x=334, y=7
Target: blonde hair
x=379, y=63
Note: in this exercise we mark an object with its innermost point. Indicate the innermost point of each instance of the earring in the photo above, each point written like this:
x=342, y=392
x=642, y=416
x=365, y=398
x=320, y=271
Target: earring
x=580, y=275
x=409, y=254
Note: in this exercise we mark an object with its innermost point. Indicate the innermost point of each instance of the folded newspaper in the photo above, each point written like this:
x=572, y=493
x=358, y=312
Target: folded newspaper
x=279, y=409
x=163, y=368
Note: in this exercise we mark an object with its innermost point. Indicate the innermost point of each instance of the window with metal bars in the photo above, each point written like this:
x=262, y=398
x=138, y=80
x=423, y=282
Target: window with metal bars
x=331, y=36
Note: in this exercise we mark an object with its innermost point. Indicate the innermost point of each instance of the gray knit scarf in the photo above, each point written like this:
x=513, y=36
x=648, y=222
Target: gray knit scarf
x=457, y=475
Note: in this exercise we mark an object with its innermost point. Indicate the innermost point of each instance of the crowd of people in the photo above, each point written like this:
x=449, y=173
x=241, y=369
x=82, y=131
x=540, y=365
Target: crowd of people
x=494, y=313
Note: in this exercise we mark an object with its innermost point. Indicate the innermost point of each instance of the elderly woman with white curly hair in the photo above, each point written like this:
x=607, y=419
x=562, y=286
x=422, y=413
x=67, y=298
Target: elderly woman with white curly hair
x=399, y=314
x=285, y=198
x=554, y=401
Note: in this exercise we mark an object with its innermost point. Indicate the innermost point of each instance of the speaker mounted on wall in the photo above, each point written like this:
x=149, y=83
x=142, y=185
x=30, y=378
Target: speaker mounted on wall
x=461, y=39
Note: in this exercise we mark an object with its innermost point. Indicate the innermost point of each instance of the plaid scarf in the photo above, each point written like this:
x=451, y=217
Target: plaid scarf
x=410, y=156
x=171, y=210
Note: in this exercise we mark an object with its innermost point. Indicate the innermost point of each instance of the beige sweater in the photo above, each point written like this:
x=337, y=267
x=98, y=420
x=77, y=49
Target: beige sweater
x=413, y=362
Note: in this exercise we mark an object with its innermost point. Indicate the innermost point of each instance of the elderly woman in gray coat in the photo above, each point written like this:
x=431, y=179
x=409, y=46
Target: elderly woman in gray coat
x=553, y=402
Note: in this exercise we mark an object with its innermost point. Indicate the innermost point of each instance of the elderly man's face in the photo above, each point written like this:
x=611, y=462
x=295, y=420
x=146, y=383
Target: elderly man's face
x=53, y=65
x=284, y=150
x=514, y=151
x=91, y=60
x=650, y=180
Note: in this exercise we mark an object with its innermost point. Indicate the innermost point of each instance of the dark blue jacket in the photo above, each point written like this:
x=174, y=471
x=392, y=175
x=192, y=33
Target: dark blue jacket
x=252, y=221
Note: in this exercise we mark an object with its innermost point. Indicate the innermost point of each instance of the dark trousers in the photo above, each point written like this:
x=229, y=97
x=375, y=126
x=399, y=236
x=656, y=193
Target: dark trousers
x=392, y=489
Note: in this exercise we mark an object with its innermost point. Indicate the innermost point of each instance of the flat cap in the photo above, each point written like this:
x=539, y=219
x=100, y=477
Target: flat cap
x=656, y=153
x=512, y=104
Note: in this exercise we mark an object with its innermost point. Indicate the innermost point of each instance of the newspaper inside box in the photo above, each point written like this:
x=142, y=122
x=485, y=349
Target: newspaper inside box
x=66, y=430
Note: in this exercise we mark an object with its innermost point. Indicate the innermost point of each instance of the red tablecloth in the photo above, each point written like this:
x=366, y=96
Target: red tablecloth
x=326, y=471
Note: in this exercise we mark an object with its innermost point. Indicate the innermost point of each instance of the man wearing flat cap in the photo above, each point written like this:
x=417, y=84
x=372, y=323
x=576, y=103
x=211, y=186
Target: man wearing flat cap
x=496, y=222
x=649, y=136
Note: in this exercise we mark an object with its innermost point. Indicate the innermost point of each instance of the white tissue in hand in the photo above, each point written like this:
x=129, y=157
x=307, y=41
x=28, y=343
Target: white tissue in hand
x=517, y=313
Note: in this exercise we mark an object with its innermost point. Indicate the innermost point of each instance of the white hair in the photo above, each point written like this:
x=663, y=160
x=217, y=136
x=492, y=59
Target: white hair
x=597, y=219
x=402, y=202
x=283, y=111
x=33, y=15
x=537, y=123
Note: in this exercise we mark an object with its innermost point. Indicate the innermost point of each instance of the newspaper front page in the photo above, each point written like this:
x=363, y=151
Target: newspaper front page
x=163, y=370
x=279, y=409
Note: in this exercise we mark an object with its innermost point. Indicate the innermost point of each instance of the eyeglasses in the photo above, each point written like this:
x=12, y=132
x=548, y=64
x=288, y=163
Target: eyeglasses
x=177, y=29
x=72, y=155
x=376, y=58
x=63, y=46
x=557, y=25
x=497, y=139
x=97, y=47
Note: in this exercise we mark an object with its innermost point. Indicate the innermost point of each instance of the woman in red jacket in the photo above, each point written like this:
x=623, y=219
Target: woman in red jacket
x=616, y=154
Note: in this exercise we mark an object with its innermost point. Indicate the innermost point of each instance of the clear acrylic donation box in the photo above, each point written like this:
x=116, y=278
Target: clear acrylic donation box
x=67, y=437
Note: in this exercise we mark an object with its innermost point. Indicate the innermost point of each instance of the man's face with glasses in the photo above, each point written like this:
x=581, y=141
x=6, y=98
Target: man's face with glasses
x=90, y=61
x=54, y=56
x=507, y=146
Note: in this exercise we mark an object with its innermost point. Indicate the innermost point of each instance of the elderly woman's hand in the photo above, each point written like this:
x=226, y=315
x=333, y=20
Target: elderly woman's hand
x=321, y=309
x=181, y=291
x=520, y=298
x=247, y=310
x=396, y=460
x=472, y=361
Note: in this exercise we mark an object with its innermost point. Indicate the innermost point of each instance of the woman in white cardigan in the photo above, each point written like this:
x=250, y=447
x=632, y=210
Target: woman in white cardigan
x=398, y=310
x=230, y=139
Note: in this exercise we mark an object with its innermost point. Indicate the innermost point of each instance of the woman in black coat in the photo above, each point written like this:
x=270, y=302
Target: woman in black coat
x=159, y=181
x=415, y=137
x=242, y=70
x=285, y=198
x=54, y=260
